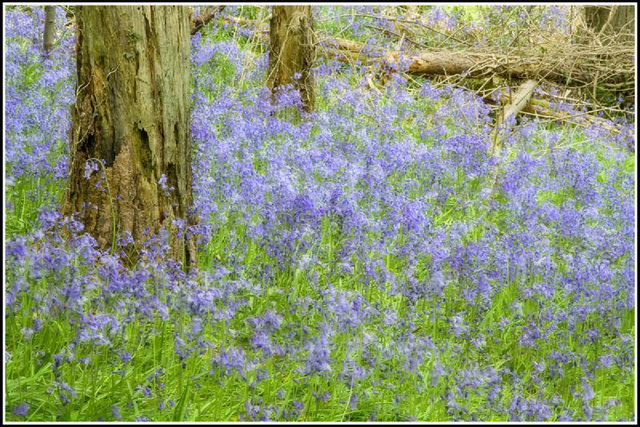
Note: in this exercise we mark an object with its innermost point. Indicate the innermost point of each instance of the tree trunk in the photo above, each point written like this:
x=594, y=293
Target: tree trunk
x=132, y=112
x=613, y=20
x=49, y=25
x=291, y=51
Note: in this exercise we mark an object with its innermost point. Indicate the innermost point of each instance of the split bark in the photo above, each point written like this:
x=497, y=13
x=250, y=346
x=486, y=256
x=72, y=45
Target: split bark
x=132, y=113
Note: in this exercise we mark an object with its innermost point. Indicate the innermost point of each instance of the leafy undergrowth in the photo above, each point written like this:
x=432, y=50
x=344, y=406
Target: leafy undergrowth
x=358, y=264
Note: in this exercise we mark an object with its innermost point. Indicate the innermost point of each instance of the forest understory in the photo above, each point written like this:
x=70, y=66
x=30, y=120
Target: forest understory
x=404, y=251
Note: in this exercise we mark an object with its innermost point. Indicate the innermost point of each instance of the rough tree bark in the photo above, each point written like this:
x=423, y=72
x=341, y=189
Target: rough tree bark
x=132, y=112
x=291, y=51
x=49, y=25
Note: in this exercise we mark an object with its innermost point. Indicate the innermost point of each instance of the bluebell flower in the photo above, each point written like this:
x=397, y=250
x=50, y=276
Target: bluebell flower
x=115, y=411
x=20, y=410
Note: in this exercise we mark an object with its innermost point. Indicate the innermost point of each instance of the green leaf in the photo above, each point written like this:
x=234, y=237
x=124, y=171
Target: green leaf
x=179, y=412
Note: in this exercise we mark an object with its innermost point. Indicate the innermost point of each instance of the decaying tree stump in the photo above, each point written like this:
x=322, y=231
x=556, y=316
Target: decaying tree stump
x=132, y=114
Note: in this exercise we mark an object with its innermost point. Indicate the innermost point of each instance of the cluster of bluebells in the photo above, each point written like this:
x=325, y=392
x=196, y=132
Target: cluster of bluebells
x=397, y=261
x=39, y=89
x=39, y=92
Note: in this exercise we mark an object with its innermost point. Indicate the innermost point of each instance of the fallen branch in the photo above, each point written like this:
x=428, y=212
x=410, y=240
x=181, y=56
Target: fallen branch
x=519, y=101
x=575, y=62
x=200, y=21
x=542, y=109
x=445, y=62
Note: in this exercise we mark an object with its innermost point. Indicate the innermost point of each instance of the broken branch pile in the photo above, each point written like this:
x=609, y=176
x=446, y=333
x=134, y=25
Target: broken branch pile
x=611, y=66
x=582, y=65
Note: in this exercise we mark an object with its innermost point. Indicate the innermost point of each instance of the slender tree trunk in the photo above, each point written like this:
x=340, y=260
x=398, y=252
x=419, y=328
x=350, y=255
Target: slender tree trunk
x=611, y=20
x=132, y=113
x=49, y=25
x=292, y=51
